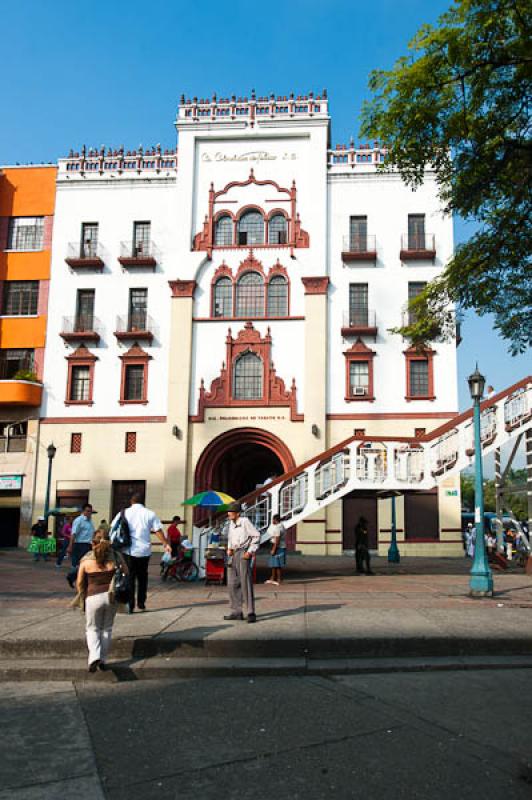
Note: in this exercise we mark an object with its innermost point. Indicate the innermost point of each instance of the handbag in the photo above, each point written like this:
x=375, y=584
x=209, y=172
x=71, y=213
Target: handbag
x=120, y=586
x=121, y=537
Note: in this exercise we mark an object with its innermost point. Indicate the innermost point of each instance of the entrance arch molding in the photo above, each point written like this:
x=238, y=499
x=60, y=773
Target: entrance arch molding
x=218, y=447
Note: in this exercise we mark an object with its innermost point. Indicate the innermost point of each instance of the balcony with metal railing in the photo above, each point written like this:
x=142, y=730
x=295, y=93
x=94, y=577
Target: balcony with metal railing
x=138, y=254
x=81, y=328
x=359, y=322
x=359, y=248
x=137, y=326
x=85, y=255
x=418, y=247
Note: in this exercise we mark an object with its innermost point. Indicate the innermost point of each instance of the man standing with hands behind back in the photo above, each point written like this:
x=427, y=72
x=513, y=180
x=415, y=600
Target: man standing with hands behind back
x=242, y=543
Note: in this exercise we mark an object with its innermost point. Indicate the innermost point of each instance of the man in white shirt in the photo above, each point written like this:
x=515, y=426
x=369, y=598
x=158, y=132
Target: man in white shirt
x=142, y=523
x=243, y=541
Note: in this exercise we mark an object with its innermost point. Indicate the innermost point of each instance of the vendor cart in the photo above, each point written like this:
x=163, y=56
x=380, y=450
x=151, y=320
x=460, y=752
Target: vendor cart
x=215, y=565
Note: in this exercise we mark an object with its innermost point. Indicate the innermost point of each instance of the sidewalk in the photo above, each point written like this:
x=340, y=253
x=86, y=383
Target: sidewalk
x=322, y=617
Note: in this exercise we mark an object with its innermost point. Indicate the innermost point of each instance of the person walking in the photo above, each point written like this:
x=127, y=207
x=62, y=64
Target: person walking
x=80, y=541
x=242, y=543
x=173, y=534
x=40, y=531
x=277, y=534
x=64, y=540
x=142, y=523
x=362, y=547
x=94, y=584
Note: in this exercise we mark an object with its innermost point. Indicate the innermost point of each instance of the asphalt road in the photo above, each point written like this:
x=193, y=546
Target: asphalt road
x=460, y=735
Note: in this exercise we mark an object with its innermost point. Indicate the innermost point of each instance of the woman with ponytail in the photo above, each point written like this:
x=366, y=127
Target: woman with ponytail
x=95, y=583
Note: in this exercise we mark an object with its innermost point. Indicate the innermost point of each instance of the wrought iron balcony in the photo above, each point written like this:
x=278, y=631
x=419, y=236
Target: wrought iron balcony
x=418, y=247
x=137, y=326
x=81, y=328
x=138, y=254
x=85, y=255
x=359, y=248
x=359, y=322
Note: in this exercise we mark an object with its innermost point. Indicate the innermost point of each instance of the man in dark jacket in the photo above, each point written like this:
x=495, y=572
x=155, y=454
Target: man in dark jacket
x=362, y=547
x=40, y=531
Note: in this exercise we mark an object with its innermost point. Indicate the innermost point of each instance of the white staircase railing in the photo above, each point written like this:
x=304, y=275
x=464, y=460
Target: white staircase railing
x=387, y=463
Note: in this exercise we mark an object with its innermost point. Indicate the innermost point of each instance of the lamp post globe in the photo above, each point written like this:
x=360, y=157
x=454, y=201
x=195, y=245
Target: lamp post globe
x=51, y=450
x=481, y=580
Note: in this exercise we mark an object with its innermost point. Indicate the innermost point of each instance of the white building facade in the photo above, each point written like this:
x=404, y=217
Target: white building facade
x=220, y=315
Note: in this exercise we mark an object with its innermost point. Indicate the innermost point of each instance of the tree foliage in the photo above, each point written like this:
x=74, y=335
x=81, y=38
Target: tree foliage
x=460, y=104
x=517, y=503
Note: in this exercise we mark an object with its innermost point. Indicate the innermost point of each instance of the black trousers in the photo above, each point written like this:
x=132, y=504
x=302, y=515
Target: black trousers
x=138, y=579
x=362, y=559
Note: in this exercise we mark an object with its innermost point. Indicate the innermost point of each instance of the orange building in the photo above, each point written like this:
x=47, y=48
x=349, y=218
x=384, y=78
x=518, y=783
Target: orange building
x=27, y=200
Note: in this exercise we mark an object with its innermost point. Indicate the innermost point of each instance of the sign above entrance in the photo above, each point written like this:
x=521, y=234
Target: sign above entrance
x=253, y=155
x=10, y=482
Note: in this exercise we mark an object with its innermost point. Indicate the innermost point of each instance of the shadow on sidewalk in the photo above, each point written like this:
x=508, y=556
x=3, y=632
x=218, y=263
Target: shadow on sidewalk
x=300, y=610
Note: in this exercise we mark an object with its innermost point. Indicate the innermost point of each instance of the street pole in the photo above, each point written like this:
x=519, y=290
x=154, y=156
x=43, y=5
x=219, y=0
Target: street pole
x=481, y=581
x=51, y=451
x=394, y=556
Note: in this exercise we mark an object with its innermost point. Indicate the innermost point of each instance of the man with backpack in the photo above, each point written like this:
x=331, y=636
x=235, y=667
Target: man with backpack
x=141, y=522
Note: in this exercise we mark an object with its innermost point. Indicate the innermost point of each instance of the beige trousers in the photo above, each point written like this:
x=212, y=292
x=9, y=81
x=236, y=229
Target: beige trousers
x=99, y=618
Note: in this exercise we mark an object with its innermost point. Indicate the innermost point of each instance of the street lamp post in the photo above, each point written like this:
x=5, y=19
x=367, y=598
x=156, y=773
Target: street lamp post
x=481, y=580
x=51, y=451
x=393, y=551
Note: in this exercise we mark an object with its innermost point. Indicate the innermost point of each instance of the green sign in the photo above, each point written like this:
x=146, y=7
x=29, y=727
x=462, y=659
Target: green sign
x=10, y=482
x=451, y=492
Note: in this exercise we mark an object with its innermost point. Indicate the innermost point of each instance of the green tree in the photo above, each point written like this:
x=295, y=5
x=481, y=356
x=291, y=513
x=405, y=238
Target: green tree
x=460, y=103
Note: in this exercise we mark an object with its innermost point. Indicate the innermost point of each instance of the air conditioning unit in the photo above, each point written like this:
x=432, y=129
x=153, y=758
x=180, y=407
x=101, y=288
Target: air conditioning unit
x=360, y=391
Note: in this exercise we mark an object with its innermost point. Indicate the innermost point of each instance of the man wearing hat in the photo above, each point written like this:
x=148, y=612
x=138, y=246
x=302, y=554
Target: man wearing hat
x=243, y=541
x=40, y=531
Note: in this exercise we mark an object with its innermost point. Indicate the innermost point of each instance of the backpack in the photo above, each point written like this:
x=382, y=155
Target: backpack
x=121, y=538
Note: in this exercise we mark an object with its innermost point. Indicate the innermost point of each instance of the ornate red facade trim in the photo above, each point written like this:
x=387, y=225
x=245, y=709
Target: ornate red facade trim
x=135, y=356
x=297, y=237
x=420, y=355
x=359, y=352
x=274, y=392
x=81, y=357
x=182, y=288
x=317, y=285
x=250, y=264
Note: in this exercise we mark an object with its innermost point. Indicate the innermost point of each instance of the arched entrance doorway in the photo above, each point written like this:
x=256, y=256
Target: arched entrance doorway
x=237, y=461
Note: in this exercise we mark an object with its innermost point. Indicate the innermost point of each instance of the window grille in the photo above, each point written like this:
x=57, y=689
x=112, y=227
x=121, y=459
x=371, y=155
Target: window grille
x=359, y=376
x=131, y=442
x=141, y=238
x=247, y=383
x=278, y=230
x=21, y=298
x=89, y=240
x=134, y=384
x=25, y=233
x=138, y=309
x=358, y=234
x=250, y=295
x=278, y=297
x=13, y=361
x=223, y=231
x=80, y=384
x=358, y=304
x=419, y=378
x=251, y=228
x=75, y=442
x=223, y=298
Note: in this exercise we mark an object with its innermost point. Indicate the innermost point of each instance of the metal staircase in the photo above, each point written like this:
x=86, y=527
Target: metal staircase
x=386, y=463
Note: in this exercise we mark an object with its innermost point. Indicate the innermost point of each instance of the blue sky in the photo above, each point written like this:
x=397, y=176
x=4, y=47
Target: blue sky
x=112, y=72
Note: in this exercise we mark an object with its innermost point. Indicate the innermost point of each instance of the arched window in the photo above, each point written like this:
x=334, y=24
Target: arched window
x=223, y=298
x=278, y=297
x=251, y=228
x=277, y=230
x=247, y=378
x=250, y=295
x=223, y=231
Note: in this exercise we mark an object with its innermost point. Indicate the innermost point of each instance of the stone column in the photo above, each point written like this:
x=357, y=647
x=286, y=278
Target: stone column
x=175, y=453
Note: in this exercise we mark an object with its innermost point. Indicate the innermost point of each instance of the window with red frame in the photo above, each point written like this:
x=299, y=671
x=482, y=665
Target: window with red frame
x=250, y=295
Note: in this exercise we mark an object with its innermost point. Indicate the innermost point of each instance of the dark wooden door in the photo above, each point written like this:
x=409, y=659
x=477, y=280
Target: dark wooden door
x=9, y=525
x=122, y=491
x=421, y=515
x=355, y=506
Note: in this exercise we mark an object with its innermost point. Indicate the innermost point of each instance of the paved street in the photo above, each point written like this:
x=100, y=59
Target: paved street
x=441, y=736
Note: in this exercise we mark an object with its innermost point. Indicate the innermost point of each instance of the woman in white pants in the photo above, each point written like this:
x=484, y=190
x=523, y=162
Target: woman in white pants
x=95, y=577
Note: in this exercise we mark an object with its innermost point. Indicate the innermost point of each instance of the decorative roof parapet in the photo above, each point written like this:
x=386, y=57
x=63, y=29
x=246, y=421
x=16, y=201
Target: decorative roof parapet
x=252, y=108
x=344, y=155
x=98, y=161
